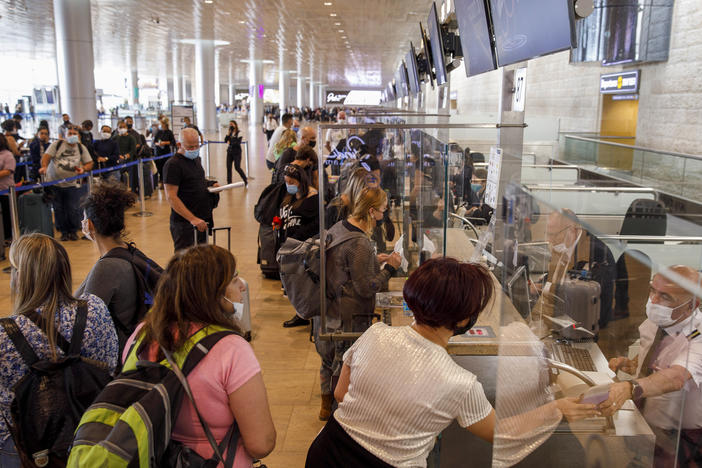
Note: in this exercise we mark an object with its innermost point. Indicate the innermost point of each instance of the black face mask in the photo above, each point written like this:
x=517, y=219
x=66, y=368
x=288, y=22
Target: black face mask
x=461, y=330
x=129, y=126
x=312, y=143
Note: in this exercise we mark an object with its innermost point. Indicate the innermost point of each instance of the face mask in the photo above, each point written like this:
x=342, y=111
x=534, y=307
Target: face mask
x=238, y=308
x=72, y=139
x=461, y=330
x=84, y=228
x=192, y=154
x=296, y=129
x=312, y=143
x=106, y=135
x=476, y=187
x=122, y=131
x=129, y=126
x=660, y=314
x=292, y=189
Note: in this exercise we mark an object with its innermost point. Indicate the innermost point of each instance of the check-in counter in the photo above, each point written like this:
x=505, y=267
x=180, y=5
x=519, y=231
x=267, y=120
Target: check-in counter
x=556, y=175
x=590, y=200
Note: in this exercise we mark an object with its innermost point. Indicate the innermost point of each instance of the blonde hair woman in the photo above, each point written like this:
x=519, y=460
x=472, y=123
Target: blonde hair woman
x=287, y=140
x=354, y=275
x=40, y=282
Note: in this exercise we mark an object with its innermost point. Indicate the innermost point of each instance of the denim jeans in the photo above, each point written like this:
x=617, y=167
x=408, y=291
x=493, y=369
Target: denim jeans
x=67, y=208
x=8, y=454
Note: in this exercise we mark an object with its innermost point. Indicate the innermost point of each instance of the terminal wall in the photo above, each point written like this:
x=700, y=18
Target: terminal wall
x=671, y=92
x=566, y=98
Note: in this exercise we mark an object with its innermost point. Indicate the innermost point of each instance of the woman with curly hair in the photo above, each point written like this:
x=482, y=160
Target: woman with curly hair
x=113, y=278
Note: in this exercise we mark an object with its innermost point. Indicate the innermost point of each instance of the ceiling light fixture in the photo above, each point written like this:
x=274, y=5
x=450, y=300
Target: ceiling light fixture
x=337, y=24
x=242, y=22
x=327, y=3
x=332, y=14
x=209, y=1
x=341, y=30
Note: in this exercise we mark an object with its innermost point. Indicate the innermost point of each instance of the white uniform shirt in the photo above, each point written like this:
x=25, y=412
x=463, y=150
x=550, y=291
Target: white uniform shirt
x=664, y=411
x=404, y=390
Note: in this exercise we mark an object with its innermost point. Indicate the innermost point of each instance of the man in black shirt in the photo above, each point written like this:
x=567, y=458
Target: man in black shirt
x=186, y=192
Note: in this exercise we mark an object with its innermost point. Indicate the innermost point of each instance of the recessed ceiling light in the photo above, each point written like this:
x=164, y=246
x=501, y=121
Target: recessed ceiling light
x=332, y=14
x=209, y=1
x=343, y=37
x=242, y=22
x=341, y=30
x=327, y=3
x=337, y=24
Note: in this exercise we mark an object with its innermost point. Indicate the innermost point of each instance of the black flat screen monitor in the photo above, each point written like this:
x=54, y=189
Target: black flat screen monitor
x=49, y=96
x=524, y=30
x=437, y=45
x=401, y=80
x=427, y=54
x=474, y=31
x=390, y=92
x=412, y=72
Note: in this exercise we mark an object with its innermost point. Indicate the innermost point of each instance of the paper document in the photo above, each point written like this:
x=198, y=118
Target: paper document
x=224, y=187
x=398, y=248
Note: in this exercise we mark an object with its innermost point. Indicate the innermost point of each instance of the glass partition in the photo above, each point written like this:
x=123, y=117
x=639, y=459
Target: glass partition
x=673, y=173
x=596, y=318
x=581, y=269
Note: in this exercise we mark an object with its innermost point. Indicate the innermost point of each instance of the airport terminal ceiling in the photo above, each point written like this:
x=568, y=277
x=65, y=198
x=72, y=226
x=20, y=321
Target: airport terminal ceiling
x=358, y=47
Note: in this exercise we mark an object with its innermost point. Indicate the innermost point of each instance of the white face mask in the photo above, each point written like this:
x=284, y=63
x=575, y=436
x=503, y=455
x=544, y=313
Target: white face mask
x=660, y=314
x=122, y=131
x=106, y=135
x=238, y=308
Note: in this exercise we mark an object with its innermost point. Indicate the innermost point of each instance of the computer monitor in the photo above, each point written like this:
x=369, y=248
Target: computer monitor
x=49, y=96
x=390, y=91
x=518, y=291
x=401, y=80
x=411, y=61
x=474, y=31
x=524, y=30
x=437, y=45
x=427, y=54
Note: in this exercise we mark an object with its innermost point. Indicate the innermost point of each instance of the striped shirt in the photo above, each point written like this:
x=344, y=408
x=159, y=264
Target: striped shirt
x=404, y=390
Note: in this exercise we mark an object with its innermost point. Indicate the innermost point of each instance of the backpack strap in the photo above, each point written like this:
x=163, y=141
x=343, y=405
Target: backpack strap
x=21, y=344
x=198, y=352
x=343, y=238
x=72, y=348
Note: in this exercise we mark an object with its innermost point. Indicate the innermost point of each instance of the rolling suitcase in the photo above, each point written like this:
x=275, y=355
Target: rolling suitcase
x=35, y=214
x=266, y=252
x=579, y=299
x=244, y=322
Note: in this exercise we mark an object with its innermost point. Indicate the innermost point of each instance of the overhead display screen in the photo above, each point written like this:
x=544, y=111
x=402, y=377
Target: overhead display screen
x=437, y=45
x=524, y=30
x=478, y=54
x=412, y=73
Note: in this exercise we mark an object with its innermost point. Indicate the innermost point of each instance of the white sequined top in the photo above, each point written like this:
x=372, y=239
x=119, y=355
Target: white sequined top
x=404, y=390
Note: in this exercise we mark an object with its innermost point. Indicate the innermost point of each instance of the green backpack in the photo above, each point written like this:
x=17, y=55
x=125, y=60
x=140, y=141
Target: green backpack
x=129, y=424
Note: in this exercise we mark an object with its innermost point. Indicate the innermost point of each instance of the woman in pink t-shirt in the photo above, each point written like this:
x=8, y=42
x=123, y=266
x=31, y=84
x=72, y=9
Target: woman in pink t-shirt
x=198, y=288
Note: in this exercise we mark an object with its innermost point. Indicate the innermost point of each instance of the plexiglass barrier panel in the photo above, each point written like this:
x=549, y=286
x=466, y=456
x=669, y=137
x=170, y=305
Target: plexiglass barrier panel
x=598, y=319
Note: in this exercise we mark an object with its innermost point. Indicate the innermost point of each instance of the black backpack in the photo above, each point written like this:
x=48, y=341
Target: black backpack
x=50, y=400
x=147, y=273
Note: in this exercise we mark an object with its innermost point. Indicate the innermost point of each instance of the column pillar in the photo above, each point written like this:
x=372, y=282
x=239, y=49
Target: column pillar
x=232, y=88
x=177, y=86
x=134, y=87
x=217, y=91
x=74, y=59
x=170, y=90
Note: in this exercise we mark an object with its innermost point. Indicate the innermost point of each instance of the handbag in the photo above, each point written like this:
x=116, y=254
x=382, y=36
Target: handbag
x=177, y=455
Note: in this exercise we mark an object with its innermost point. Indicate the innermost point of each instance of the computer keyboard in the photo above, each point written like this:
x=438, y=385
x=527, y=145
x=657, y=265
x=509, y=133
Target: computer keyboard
x=574, y=357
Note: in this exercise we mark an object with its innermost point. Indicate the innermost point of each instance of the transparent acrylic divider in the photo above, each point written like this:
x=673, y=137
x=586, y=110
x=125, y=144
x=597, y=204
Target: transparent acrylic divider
x=573, y=307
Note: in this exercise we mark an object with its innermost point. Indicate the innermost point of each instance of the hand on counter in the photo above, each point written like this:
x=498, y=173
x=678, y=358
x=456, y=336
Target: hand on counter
x=618, y=394
x=623, y=364
x=573, y=410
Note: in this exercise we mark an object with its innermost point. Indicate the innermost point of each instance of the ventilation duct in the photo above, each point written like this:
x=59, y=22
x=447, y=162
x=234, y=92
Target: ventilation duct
x=624, y=31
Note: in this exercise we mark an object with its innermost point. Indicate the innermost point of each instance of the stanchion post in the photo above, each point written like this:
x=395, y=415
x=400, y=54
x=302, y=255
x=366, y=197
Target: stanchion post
x=246, y=160
x=207, y=158
x=142, y=200
x=14, y=213
x=90, y=182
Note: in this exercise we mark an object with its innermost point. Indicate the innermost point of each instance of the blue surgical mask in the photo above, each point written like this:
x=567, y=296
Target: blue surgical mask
x=296, y=129
x=192, y=154
x=72, y=139
x=476, y=187
x=292, y=189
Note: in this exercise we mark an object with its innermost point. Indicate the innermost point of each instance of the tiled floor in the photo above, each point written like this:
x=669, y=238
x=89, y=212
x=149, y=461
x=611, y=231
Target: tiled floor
x=288, y=358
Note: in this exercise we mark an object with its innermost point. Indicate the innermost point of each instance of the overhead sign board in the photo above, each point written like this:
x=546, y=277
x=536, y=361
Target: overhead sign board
x=619, y=83
x=336, y=97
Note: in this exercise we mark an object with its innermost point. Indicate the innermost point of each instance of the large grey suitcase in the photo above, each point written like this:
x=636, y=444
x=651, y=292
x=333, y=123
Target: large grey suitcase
x=266, y=251
x=579, y=299
x=35, y=214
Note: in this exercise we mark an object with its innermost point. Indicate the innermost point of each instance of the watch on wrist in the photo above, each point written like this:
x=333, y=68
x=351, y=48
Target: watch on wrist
x=636, y=390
